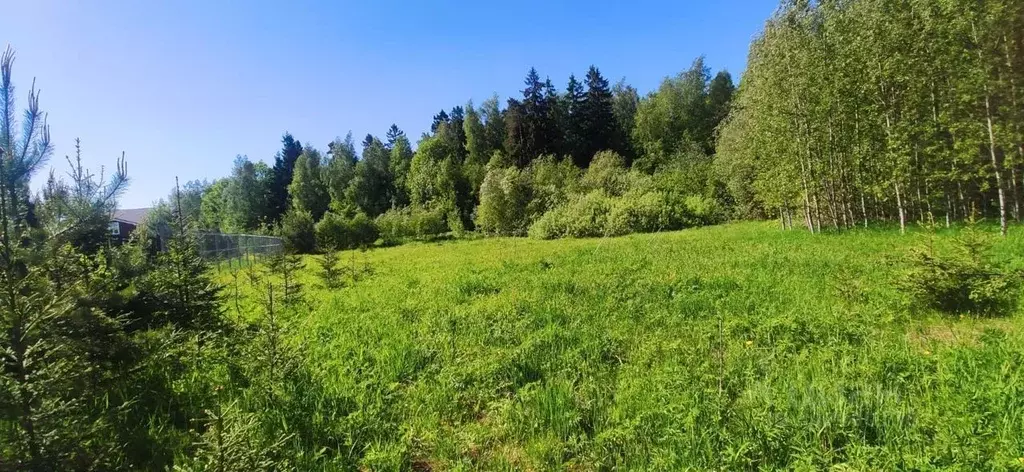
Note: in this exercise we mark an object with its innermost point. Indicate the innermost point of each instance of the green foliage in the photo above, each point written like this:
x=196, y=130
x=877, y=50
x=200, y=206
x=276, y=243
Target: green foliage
x=505, y=196
x=335, y=231
x=340, y=169
x=179, y=289
x=298, y=232
x=245, y=206
x=280, y=177
x=372, y=188
x=232, y=443
x=676, y=114
x=552, y=181
x=307, y=189
x=642, y=213
x=401, y=159
x=581, y=217
x=330, y=272
x=599, y=127
x=963, y=278
x=607, y=173
x=413, y=222
x=211, y=207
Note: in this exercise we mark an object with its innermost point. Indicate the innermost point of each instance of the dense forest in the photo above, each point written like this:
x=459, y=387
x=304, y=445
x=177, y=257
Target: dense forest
x=850, y=113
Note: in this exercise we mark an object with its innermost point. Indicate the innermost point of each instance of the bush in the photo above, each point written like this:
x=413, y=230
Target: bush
x=297, y=232
x=701, y=211
x=963, y=278
x=582, y=217
x=504, y=199
x=415, y=221
x=607, y=172
x=553, y=182
x=642, y=213
x=335, y=232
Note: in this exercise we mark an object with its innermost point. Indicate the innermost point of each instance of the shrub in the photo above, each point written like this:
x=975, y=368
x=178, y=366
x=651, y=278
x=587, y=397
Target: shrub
x=582, y=217
x=701, y=211
x=963, y=278
x=640, y=213
x=415, y=221
x=297, y=232
x=504, y=199
x=550, y=225
x=335, y=232
x=553, y=181
x=607, y=172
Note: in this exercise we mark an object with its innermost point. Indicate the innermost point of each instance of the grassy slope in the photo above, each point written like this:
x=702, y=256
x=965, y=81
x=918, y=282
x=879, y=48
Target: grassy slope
x=601, y=353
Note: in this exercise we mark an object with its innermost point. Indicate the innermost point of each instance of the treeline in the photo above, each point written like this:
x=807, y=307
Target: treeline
x=460, y=175
x=873, y=110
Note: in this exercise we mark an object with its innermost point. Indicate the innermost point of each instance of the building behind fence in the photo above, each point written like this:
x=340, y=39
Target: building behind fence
x=221, y=246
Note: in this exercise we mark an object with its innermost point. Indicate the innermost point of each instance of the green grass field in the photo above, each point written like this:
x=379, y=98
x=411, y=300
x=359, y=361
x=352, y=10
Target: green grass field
x=740, y=347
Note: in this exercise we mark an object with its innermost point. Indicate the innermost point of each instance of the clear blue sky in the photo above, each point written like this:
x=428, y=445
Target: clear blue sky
x=183, y=86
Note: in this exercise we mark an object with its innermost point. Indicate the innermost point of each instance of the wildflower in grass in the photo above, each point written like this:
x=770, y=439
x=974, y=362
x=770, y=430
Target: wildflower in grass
x=927, y=352
x=750, y=343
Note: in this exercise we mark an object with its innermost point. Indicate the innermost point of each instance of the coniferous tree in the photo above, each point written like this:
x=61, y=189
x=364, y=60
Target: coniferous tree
x=392, y=135
x=439, y=118
x=55, y=339
x=597, y=118
x=528, y=122
x=575, y=128
x=283, y=170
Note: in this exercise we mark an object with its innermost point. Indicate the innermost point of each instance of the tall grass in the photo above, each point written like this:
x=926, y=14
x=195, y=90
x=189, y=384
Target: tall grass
x=606, y=354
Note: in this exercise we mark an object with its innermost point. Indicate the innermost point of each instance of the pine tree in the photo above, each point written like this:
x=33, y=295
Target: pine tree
x=50, y=381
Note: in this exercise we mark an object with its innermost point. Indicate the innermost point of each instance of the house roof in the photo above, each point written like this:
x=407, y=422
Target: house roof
x=131, y=215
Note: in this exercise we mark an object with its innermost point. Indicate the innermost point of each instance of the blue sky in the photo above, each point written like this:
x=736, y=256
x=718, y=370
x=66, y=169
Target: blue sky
x=182, y=87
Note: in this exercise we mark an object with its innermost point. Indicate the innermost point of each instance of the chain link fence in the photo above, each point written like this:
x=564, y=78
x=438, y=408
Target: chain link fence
x=227, y=247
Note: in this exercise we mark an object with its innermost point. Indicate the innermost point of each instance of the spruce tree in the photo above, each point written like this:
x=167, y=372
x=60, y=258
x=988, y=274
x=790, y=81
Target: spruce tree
x=598, y=119
x=574, y=127
x=283, y=170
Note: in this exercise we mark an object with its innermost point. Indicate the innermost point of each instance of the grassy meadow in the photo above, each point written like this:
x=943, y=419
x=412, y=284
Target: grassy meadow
x=735, y=347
